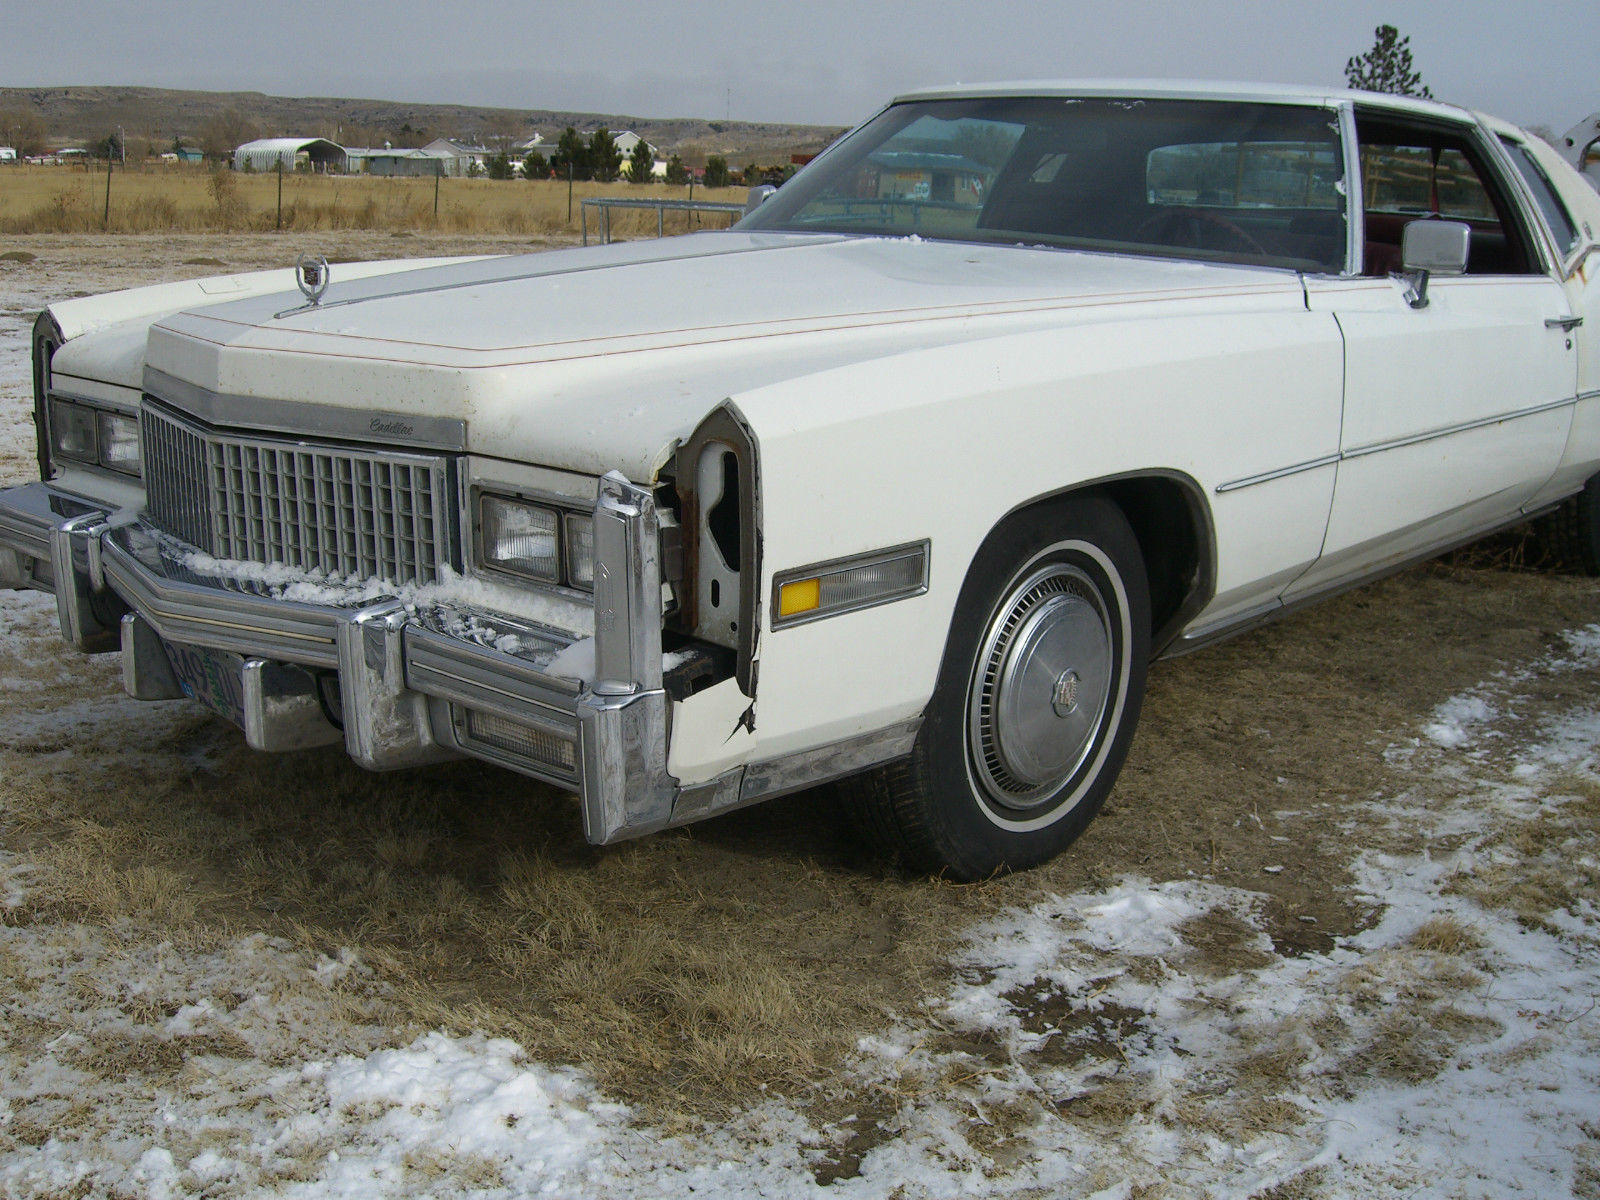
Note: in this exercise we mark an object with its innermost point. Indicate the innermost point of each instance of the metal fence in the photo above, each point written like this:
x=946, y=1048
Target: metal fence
x=606, y=203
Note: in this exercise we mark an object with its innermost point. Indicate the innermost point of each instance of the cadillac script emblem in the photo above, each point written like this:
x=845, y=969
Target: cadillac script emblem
x=311, y=273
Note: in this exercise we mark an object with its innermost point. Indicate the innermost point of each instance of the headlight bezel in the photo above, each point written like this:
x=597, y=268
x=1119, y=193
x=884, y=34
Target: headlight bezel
x=95, y=447
x=569, y=527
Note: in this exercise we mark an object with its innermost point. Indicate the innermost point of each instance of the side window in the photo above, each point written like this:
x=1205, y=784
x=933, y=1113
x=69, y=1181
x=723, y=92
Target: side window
x=1416, y=181
x=1544, y=195
x=1425, y=170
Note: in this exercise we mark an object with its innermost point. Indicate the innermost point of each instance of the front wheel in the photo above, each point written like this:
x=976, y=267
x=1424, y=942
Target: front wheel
x=1036, y=702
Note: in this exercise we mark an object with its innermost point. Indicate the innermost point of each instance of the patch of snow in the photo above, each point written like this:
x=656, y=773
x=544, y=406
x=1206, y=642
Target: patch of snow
x=1454, y=721
x=574, y=662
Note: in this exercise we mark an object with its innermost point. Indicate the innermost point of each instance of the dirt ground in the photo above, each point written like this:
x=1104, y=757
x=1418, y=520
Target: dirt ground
x=691, y=970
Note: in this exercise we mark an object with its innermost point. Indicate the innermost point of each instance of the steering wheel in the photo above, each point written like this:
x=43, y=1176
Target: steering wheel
x=1182, y=227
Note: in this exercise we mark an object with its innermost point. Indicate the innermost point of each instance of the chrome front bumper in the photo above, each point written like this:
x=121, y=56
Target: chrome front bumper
x=413, y=684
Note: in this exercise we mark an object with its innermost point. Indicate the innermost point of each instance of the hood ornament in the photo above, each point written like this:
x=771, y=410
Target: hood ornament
x=311, y=273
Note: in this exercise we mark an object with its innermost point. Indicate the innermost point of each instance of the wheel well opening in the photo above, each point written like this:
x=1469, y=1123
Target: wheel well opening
x=1174, y=538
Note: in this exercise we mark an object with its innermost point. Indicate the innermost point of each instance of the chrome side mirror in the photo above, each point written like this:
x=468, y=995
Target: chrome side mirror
x=757, y=196
x=1430, y=248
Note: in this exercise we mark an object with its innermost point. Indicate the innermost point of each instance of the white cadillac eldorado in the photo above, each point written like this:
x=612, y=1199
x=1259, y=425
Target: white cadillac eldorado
x=904, y=479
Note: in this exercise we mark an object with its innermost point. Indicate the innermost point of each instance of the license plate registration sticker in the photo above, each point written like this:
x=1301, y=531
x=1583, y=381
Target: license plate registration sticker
x=212, y=677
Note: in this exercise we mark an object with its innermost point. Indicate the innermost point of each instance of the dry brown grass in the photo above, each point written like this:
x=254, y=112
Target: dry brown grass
x=69, y=200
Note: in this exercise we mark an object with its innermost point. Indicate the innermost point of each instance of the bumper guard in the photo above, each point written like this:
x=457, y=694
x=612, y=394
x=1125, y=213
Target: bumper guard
x=408, y=686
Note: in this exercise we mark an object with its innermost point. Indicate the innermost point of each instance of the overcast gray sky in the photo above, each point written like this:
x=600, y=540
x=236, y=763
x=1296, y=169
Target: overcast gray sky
x=817, y=61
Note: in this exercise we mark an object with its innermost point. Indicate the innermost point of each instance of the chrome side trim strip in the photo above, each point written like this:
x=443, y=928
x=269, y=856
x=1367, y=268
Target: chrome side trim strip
x=314, y=420
x=1327, y=460
x=1414, y=439
x=835, y=761
x=743, y=786
x=1261, y=614
x=1465, y=427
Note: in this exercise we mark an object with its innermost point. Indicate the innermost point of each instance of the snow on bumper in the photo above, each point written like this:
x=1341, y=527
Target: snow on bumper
x=400, y=684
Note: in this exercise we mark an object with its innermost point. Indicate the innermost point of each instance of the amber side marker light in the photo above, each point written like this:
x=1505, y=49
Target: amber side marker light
x=849, y=584
x=801, y=596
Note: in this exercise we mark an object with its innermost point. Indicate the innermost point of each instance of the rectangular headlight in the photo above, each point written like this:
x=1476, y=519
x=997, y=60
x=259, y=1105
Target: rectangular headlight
x=848, y=584
x=520, y=537
x=73, y=431
x=580, y=550
x=119, y=442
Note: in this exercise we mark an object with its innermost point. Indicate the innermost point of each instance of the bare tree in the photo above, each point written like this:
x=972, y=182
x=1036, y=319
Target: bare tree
x=23, y=131
x=224, y=132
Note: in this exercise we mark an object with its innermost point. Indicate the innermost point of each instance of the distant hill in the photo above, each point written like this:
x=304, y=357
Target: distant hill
x=153, y=117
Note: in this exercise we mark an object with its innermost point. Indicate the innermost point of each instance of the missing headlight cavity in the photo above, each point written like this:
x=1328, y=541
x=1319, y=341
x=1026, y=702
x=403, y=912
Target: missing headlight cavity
x=723, y=518
x=719, y=493
x=719, y=500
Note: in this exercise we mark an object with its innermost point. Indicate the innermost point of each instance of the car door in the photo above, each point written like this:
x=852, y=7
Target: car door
x=1570, y=210
x=1456, y=413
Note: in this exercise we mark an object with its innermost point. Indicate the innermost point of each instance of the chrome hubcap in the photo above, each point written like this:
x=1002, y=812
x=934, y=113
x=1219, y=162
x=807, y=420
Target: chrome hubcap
x=1041, y=690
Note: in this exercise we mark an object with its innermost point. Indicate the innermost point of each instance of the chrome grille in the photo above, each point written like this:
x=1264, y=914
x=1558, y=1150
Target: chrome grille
x=331, y=509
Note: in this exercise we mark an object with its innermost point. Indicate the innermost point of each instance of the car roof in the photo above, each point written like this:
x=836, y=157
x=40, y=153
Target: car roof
x=1191, y=89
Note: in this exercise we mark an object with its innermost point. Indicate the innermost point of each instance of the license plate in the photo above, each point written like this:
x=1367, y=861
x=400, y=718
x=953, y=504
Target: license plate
x=212, y=677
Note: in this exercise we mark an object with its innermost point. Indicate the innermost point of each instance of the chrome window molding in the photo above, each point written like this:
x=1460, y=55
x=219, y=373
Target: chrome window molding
x=909, y=550
x=1355, y=218
x=314, y=420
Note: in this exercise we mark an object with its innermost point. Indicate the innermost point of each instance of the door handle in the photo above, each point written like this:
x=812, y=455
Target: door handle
x=1565, y=324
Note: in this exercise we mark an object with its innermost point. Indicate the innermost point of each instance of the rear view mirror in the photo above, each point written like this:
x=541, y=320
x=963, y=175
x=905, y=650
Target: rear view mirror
x=757, y=197
x=1437, y=247
x=1432, y=248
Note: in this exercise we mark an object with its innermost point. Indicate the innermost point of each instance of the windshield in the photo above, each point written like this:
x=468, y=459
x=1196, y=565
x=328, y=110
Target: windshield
x=1213, y=180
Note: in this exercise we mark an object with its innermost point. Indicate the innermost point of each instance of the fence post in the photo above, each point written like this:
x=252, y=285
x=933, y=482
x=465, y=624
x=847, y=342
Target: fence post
x=569, y=193
x=438, y=174
x=280, y=193
x=105, y=221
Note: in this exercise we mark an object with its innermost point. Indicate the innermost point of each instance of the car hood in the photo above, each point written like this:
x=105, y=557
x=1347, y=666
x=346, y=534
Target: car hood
x=603, y=358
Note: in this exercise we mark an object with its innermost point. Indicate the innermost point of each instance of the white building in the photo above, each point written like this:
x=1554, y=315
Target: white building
x=8, y=154
x=265, y=154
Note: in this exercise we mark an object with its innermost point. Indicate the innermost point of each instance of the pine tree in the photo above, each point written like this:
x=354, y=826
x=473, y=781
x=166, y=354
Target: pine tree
x=571, y=159
x=1386, y=67
x=641, y=163
x=605, y=160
